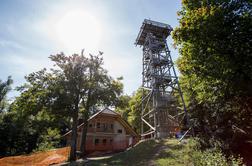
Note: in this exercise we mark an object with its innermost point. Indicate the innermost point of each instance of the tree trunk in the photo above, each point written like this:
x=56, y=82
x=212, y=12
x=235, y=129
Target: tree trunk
x=85, y=121
x=74, y=137
x=84, y=133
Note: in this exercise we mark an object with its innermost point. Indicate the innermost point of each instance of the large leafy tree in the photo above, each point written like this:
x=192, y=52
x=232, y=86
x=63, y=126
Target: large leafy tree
x=101, y=90
x=83, y=82
x=214, y=40
x=71, y=80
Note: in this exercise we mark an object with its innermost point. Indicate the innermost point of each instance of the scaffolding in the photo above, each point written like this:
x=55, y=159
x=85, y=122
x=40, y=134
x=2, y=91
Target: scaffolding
x=160, y=114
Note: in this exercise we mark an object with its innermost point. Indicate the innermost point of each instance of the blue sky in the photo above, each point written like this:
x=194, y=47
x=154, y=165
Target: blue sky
x=30, y=31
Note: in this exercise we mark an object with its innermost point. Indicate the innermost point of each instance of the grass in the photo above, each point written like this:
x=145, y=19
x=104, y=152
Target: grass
x=151, y=152
x=174, y=153
x=168, y=152
x=139, y=155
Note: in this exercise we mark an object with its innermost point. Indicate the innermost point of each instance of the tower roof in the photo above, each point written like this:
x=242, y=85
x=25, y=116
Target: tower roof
x=158, y=29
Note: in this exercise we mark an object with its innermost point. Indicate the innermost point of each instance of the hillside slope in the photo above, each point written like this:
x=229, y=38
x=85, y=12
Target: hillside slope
x=150, y=152
x=167, y=152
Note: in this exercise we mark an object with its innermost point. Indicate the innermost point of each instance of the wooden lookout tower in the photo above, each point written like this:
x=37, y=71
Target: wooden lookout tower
x=161, y=114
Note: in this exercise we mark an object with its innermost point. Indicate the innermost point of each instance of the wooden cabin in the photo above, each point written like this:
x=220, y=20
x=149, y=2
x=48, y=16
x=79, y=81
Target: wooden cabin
x=107, y=132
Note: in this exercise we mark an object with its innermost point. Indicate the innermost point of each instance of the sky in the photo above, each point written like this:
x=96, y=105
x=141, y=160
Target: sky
x=31, y=31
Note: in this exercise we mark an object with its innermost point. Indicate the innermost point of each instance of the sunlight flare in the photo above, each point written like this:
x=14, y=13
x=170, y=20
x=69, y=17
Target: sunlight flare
x=77, y=30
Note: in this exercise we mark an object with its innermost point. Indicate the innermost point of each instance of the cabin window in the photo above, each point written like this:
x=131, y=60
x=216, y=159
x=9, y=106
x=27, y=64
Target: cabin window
x=111, y=126
x=98, y=125
x=104, y=141
x=119, y=131
x=104, y=126
x=90, y=125
x=96, y=141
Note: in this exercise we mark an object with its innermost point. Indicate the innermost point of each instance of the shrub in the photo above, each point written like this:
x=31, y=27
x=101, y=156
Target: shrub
x=48, y=140
x=211, y=157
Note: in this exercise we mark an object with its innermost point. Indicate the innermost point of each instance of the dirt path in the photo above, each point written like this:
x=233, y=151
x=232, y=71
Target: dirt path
x=157, y=151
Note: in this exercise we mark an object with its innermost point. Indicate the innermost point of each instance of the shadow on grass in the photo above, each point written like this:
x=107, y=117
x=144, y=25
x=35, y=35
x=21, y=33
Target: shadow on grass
x=165, y=154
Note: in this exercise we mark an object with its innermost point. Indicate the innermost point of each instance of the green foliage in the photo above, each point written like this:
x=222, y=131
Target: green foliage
x=135, y=105
x=5, y=87
x=214, y=39
x=189, y=153
x=122, y=106
x=48, y=140
x=211, y=156
x=25, y=121
x=130, y=108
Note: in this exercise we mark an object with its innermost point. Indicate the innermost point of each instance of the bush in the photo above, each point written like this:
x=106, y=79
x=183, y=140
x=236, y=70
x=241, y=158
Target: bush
x=211, y=157
x=48, y=140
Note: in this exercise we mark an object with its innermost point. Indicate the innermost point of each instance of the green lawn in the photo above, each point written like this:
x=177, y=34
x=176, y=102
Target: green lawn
x=174, y=153
x=168, y=152
x=151, y=152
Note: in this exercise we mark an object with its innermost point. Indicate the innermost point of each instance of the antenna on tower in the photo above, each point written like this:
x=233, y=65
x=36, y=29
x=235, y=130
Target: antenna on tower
x=161, y=115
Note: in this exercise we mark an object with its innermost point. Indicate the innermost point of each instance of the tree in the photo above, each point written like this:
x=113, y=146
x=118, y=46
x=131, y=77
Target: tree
x=130, y=108
x=101, y=89
x=5, y=87
x=84, y=82
x=24, y=125
x=214, y=39
x=71, y=81
x=135, y=104
x=123, y=107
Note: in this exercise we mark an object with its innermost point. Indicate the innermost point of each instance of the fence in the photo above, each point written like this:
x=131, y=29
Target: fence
x=37, y=159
